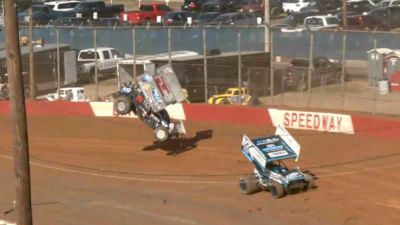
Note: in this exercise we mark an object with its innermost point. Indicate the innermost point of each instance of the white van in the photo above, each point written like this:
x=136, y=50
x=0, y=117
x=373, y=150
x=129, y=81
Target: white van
x=291, y=6
x=73, y=94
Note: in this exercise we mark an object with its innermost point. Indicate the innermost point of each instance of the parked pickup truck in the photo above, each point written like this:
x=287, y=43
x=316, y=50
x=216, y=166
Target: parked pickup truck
x=41, y=14
x=87, y=8
x=107, y=60
x=315, y=23
x=324, y=71
x=147, y=14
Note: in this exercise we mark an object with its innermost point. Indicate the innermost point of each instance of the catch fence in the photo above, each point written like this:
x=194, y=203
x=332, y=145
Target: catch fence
x=225, y=57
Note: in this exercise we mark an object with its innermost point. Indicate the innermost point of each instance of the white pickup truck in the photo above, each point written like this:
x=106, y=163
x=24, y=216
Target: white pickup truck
x=62, y=5
x=314, y=23
x=107, y=60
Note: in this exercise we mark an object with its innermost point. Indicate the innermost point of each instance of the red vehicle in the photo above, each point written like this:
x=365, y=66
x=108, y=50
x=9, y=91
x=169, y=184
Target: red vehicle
x=147, y=14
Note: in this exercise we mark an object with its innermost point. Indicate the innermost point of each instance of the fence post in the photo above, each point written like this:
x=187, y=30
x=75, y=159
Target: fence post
x=32, y=82
x=169, y=45
x=239, y=67
x=96, y=63
x=58, y=62
x=310, y=67
x=375, y=84
x=342, y=79
x=272, y=80
x=134, y=51
x=205, y=66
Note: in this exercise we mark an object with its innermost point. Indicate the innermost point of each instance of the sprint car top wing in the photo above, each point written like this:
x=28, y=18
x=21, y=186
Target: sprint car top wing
x=272, y=148
x=162, y=88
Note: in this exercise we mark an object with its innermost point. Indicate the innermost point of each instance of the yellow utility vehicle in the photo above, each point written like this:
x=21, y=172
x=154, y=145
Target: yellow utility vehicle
x=232, y=95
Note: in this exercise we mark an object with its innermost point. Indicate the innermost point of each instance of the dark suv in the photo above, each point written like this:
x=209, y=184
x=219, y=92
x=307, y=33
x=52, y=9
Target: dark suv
x=322, y=6
x=385, y=18
x=218, y=6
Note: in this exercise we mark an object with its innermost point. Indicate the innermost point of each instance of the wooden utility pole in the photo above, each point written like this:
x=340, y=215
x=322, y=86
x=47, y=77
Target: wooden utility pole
x=18, y=114
x=344, y=19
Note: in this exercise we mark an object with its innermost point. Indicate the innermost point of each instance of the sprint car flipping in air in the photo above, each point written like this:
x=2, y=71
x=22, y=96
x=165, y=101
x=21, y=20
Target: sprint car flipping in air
x=148, y=98
x=270, y=173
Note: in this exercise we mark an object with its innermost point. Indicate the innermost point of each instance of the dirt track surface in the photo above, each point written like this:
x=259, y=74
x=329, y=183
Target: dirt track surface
x=107, y=171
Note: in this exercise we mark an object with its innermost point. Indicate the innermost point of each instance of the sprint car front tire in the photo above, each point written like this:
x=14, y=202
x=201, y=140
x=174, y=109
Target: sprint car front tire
x=249, y=184
x=122, y=105
x=277, y=190
x=161, y=133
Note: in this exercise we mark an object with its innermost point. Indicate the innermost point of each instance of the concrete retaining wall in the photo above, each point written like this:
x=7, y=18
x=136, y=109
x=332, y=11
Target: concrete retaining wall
x=305, y=120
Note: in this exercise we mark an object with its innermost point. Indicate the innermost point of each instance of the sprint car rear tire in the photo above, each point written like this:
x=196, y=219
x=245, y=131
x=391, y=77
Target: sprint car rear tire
x=122, y=105
x=161, y=133
x=309, y=180
x=277, y=190
x=249, y=184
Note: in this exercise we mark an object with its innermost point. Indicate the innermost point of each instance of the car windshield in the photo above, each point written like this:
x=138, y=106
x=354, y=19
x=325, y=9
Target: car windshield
x=314, y=21
x=332, y=20
x=163, y=8
x=88, y=55
x=116, y=54
x=382, y=4
x=289, y=20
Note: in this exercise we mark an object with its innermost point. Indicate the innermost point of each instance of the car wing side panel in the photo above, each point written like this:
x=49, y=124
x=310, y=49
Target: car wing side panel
x=274, y=148
x=253, y=153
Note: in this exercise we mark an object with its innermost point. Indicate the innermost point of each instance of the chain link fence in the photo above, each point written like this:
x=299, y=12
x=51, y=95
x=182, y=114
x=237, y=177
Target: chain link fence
x=341, y=75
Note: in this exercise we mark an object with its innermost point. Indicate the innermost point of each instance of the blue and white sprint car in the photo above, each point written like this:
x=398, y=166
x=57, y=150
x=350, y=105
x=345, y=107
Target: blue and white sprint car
x=270, y=172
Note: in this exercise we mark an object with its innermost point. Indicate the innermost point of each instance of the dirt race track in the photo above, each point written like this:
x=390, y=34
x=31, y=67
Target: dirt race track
x=88, y=170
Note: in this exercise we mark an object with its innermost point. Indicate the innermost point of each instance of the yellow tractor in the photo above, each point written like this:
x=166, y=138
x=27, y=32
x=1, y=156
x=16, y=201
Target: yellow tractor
x=232, y=95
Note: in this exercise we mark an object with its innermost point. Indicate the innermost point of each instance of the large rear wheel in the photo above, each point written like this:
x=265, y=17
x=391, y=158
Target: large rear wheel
x=249, y=184
x=310, y=184
x=122, y=105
